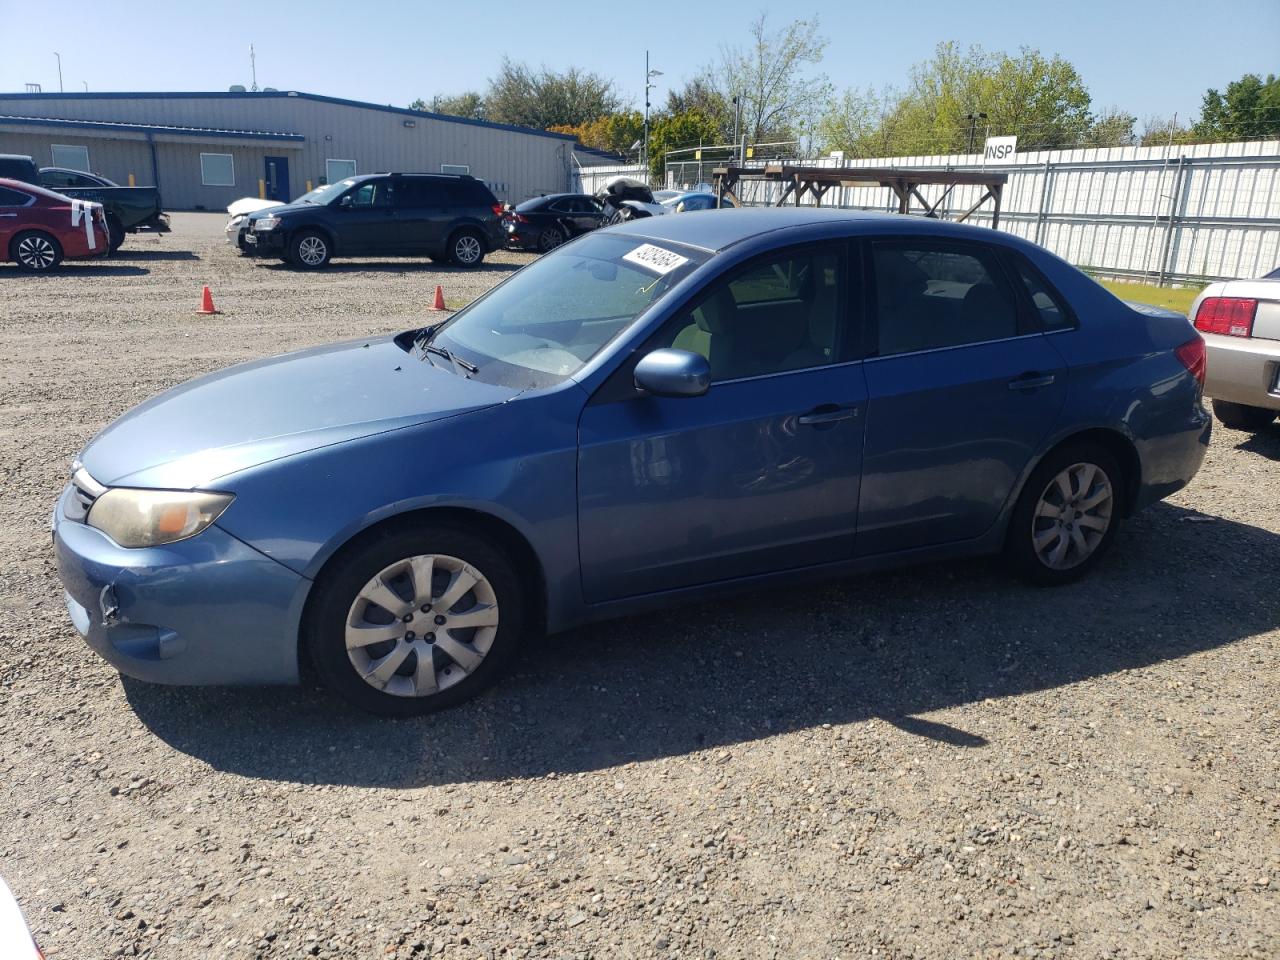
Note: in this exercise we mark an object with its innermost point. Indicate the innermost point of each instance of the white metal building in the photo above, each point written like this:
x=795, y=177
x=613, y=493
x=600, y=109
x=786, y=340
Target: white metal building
x=206, y=149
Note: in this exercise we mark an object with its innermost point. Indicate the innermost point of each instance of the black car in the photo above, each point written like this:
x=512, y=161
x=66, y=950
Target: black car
x=544, y=223
x=448, y=218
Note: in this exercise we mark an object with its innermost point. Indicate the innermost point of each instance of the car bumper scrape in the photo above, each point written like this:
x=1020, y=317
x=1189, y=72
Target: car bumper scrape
x=208, y=610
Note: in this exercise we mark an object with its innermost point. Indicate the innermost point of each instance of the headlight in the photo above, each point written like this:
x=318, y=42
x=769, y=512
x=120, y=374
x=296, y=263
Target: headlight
x=236, y=220
x=266, y=223
x=147, y=518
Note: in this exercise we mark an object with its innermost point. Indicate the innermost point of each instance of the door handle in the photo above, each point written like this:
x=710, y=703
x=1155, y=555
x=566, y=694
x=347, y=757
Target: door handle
x=827, y=413
x=1032, y=381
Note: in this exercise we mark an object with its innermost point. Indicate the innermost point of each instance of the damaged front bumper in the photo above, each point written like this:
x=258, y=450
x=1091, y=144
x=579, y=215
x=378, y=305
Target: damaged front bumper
x=207, y=610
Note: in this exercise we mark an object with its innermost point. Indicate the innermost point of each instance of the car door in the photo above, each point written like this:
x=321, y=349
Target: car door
x=582, y=212
x=761, y=473
x=365, y=221
x=962, y=388
x=420, y=214
x=12, y=205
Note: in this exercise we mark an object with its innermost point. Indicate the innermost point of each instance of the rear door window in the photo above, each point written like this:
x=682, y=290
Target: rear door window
x=13, y=198
x=1052, y=310
x=934, y=295
x=415, y=193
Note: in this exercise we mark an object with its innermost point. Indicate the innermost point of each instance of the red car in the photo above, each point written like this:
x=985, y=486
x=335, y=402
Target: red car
x=38, y=228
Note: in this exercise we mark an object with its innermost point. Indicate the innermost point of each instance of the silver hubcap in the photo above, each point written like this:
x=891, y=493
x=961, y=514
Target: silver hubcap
x=421, y=625
x=36, y=253
x=467, y=249
x=1073, y=516
x=311, y=251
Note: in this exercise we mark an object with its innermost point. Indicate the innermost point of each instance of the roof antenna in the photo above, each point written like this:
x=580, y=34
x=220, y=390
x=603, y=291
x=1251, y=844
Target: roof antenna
x=253, y=68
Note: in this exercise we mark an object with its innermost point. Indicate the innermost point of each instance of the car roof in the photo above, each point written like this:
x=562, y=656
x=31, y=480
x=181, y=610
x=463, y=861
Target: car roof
x=726, y=228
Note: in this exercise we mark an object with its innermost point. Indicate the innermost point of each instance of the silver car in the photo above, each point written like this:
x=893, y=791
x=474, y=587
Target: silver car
x=1240, y=322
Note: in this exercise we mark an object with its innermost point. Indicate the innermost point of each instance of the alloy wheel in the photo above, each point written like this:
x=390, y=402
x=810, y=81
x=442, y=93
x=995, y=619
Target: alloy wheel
x=312, y=251
x=36, y=253
x=550, y=239
x=421, y=625
x=467, y=249
x=1072, y=516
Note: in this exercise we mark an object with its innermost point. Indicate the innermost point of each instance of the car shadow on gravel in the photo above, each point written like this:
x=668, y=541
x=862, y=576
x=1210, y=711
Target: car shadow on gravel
x=1265, y=443
x=146, y=255
x=723, y=674
x=396, y=266
x=87, y=269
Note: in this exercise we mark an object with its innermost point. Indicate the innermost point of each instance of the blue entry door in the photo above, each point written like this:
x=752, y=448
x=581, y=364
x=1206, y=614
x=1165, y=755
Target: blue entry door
x=276, y=177
x=961, y=392
x=760, y=474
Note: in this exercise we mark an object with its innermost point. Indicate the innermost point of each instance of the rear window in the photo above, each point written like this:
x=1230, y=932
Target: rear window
x=13, y=198
x=469, y=193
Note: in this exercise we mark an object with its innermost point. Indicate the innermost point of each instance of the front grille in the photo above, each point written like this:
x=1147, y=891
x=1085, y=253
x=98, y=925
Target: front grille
x=84, y=491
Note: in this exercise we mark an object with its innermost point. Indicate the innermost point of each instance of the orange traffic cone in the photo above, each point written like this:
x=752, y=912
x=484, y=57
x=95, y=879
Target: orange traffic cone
x=206, y=303
x=439, y=301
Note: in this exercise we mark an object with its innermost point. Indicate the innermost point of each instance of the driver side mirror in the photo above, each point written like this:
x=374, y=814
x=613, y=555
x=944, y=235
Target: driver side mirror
x=346, y=202
x=673, y=373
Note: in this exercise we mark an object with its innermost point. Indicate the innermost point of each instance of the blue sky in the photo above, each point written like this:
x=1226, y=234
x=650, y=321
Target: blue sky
x=1150, y=58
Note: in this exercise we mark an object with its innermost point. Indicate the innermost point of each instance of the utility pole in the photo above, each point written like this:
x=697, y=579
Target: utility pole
x=737, y=120
x=253, y=68
x=59, y=56
x=973, y=119
x=648, y=85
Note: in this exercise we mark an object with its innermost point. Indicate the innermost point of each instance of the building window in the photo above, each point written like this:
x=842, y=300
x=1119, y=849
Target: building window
x=217, y=170
x=335, y=170
x=454, y=168
x=73, y=158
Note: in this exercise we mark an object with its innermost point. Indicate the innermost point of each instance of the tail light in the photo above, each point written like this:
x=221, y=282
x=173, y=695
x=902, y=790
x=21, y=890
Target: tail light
x=1192, y=356
x=497, y=209
x=1227, y=316
x=520, y=218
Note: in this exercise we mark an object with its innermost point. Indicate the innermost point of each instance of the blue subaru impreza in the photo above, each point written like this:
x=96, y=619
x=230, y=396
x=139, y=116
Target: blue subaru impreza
x=655, y=411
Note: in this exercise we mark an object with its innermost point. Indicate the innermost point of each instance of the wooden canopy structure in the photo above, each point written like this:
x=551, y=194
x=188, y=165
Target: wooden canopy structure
x=905, y=182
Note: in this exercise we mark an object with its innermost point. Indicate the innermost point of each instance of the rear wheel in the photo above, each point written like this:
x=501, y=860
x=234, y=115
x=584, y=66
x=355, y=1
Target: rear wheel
x=309, y=250
x=35, y=251
x=1238, y=416
x=115, y=234
x=466, y=249
x=416, y=620
x=549, y=239
x=1067, y=515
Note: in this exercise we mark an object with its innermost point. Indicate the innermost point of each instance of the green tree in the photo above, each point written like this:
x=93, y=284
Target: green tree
x=700, y=95
x=1114, y=128
x=545, y=98
x=1162, y=131
x=675, y=132
x=1041, y=100
x=771, y=77
x=616, y=132
x=1248, y=110
x=469, y=104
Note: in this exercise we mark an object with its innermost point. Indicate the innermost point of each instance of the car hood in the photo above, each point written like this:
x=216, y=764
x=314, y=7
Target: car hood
x=247, y=205
x=283, y=209
x=249, y=414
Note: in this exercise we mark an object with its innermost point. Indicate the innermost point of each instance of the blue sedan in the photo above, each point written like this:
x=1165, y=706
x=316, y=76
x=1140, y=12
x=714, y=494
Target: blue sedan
x=653, y=412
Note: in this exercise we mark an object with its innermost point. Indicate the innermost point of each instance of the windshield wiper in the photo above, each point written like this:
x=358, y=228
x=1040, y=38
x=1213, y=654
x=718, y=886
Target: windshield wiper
x=457, y=361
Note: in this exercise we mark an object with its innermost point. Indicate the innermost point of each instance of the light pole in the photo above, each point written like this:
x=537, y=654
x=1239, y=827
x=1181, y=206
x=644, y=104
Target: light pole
x=973, y=119
x=59, y=56
x=648, y=85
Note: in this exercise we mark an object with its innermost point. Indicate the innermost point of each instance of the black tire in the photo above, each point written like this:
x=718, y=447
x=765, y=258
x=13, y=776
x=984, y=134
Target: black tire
x=466, y=248
x=35, y=251
x=115, y=234
x=310, y=250
x=1025, y=526
x=337, y=591
x=550, y=238
x=1238, y=416
x=622, y=215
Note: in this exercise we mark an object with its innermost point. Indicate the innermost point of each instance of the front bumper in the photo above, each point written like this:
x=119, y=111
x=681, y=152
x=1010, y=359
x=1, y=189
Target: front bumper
x=270, y=243
x=208, y=610
x=1243, y=370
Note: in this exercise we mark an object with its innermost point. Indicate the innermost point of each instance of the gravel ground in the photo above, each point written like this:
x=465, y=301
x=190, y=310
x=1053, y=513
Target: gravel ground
x=938, y=763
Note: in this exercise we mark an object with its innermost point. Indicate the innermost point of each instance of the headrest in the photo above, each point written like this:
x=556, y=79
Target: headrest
x=897, y=276
x=716, y=313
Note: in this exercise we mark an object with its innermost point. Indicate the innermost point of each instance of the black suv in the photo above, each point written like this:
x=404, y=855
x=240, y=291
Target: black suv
x=447, y=218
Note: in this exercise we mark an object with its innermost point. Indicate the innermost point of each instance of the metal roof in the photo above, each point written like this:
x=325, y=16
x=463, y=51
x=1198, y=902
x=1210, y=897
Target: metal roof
x=282, y=94
x=150, y=128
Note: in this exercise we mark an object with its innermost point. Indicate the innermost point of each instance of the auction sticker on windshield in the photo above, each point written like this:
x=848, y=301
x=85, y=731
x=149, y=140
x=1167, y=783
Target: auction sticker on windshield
x=655, y=258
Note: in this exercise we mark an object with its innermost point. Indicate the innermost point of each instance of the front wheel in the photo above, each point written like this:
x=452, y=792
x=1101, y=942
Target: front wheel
x=35, y=252
x=309, y=250
x=1067, y=516
x=416, y=620
x=1238, y=416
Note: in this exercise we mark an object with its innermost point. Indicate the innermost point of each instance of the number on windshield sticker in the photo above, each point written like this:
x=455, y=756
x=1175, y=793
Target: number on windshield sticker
x=654, y=258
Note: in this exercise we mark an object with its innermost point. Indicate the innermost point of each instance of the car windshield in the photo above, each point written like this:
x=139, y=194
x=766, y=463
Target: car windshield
x=328, y=192
x=550, y=318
